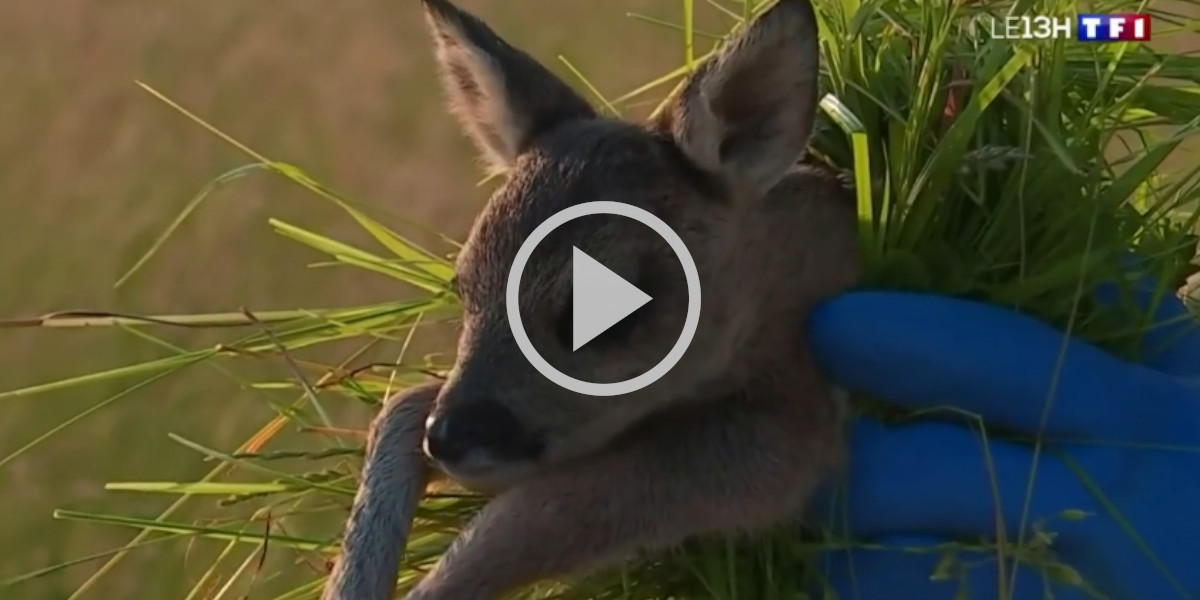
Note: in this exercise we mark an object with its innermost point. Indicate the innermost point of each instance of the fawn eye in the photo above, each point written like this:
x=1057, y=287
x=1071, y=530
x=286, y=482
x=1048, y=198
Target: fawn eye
x=613, y=336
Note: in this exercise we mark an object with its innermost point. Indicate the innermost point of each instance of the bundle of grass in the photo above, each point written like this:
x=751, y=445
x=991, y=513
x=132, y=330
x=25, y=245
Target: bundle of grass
x=1019, y=173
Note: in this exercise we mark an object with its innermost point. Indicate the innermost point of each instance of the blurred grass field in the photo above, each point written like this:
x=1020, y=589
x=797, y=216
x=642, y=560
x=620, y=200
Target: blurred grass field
x=94, y=169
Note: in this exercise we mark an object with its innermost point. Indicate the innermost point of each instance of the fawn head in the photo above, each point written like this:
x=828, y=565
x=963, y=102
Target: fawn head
x=705, y=167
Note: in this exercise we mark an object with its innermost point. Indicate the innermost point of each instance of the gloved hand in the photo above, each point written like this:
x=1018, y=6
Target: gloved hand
x=1122, y=444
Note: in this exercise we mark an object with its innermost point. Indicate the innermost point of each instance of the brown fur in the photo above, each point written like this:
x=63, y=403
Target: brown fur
x=740, y=431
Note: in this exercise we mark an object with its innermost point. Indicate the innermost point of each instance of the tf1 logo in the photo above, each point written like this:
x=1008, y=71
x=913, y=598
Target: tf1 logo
x=1088, y=28
x=1113, y=28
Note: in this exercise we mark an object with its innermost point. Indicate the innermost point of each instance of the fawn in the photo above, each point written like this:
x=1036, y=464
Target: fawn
x=736, y=436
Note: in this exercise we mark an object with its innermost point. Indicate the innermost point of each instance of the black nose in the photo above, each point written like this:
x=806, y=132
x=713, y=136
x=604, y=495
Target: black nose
x=480, y=426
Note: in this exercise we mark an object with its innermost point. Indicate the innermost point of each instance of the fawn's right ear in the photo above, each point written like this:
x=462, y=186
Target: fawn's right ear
x=503, y=97
x=746, y=114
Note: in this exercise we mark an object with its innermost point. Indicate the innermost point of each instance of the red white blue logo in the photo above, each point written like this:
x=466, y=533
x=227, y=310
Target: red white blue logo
x=1131, y=27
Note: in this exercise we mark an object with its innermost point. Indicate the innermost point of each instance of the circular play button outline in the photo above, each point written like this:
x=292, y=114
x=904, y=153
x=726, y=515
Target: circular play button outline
x=691, y=320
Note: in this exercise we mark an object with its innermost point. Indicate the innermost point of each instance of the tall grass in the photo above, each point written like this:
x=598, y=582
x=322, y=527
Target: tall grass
x=1015, y=172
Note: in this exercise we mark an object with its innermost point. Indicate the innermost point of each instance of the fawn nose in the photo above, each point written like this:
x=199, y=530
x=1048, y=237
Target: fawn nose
x=484, y=427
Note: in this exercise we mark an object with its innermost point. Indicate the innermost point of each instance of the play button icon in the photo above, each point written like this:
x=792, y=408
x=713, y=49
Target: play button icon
x=600, y=298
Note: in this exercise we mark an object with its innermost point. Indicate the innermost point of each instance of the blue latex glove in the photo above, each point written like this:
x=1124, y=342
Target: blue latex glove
x=1134, y=430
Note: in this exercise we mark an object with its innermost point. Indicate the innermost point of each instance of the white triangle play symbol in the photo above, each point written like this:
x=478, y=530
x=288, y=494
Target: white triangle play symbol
x=600, y=298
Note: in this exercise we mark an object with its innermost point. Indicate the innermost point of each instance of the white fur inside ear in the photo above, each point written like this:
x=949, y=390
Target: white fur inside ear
x=480, y=101
x=502, y=96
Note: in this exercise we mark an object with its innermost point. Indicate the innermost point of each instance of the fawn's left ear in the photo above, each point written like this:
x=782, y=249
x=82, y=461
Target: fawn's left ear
x=747, y=113
x=502, y=96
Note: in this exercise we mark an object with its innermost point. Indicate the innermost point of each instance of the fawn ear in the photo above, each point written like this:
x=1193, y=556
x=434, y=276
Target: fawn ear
x=747, y=113
x=503, y=97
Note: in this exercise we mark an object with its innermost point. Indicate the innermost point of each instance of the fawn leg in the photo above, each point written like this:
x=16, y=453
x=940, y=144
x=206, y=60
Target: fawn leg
x=743, y=464
x=394, y=476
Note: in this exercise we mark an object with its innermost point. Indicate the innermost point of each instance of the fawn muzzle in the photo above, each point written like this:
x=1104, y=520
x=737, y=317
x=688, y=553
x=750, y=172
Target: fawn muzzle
x=478, y=434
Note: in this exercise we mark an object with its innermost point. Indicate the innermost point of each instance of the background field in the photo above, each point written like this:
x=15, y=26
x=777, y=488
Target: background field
x=92, y=169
